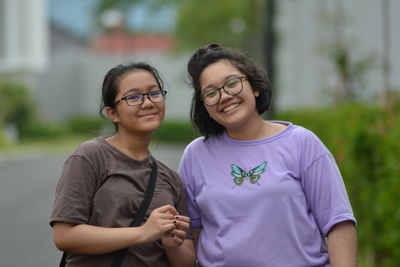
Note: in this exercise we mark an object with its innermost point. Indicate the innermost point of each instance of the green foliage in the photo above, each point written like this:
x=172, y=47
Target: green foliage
x=234, y=23
x=350, y=64
x=16, y=104
x=225, y=22
x=3, y=141
x=39, y=130
x=86, y=125
x=365, y=143
x=176, y=132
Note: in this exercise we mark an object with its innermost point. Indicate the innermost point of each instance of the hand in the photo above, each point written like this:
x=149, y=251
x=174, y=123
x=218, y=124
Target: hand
x=160, y=221
x=175, y=237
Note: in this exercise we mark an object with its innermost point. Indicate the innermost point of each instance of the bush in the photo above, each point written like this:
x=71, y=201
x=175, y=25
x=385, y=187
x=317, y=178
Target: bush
x=87, y=125
x=3, y=141
x=365, y=143
x=35, y=130
x=176, y=132
x=16, y=104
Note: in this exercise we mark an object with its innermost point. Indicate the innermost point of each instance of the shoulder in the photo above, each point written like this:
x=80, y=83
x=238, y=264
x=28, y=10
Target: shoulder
x=92, y=150
x=303, y=135
x=169, y=175
x=164, y=168
x=309, y=145
x=201, y=143
x=308, y=137
x=90, y=146
x=198, y=142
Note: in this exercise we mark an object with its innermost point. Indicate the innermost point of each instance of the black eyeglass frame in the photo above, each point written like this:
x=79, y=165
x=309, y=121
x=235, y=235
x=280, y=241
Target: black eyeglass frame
x=163, y=93
x=241, y=78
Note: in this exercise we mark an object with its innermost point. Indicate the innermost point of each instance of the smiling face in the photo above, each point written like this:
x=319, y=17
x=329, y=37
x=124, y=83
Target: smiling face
x=233, y=112
x=144, y=118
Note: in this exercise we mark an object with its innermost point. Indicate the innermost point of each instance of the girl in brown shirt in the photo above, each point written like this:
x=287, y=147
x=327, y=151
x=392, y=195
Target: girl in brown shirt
x=103, y=183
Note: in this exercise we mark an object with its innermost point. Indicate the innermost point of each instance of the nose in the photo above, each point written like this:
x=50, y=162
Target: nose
x=147, y=101
x=224, y=95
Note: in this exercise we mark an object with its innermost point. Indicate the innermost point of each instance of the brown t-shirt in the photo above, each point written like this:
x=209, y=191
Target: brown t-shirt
x=102, y=186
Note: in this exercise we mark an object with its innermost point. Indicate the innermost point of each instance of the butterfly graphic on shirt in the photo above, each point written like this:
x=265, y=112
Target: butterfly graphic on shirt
x=239, y=175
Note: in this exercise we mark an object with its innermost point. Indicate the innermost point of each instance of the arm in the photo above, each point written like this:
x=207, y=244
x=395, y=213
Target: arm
x=89, y=239
x=342, y=245
x=182, y=256
x=196, y=233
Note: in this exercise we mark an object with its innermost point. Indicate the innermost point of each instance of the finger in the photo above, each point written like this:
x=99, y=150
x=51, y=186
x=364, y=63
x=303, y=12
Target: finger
x=182, y=225
x=182, y=218
x=166, y=208
x=178, y=234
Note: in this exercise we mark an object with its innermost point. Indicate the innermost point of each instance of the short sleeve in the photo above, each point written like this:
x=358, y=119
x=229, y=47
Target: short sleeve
x=326, y=193
x=74, y=192
x=186, y=175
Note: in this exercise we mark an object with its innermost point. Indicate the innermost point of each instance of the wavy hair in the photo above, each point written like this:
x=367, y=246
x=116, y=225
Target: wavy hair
x=208, y=55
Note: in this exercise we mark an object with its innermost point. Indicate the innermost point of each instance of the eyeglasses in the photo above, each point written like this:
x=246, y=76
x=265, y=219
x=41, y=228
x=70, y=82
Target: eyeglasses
x=232, y=87
x=138, y=99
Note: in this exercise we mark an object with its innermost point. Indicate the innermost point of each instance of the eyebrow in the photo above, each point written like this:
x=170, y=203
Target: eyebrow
x=227, y=78
x=137, y=90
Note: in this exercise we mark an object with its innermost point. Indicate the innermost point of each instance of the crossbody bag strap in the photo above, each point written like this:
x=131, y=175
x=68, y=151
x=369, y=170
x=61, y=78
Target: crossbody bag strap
x=144, y=206
x=120, y=254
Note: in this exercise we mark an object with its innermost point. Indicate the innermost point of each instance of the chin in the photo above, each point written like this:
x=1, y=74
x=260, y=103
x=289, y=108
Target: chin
x=151, y=127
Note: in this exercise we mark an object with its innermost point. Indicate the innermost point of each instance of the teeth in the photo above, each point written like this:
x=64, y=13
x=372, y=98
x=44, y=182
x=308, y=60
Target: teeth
x=230, y=107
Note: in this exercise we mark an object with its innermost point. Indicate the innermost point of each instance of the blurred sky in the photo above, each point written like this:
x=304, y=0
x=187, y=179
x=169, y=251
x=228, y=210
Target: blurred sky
x=76, y=16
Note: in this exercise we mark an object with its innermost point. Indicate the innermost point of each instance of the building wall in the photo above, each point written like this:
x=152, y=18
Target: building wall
x=23, y=36
x=72, y=85
x=306, y=76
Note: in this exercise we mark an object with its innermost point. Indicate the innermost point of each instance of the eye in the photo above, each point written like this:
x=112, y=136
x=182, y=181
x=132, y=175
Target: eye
x=232, y=83
x=211, y=93
x=133, y=98
x=155, y=94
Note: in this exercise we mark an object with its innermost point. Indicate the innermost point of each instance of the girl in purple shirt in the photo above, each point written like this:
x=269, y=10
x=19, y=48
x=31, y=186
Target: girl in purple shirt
x=261, y=193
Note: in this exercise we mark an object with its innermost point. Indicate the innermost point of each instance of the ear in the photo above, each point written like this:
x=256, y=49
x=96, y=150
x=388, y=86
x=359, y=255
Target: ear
x=256, y=93
x=112, y=114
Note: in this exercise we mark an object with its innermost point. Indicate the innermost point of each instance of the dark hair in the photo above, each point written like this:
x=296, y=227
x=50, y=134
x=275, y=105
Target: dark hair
x=110, y=87
x=208, y=55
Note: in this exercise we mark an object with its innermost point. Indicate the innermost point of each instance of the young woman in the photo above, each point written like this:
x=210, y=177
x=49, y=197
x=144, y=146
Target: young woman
x=261, y=193
x=103, y=184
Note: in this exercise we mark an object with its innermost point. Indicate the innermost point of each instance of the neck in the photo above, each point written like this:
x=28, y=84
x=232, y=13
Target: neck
x=257, y=130
x=134, y=146
x=251, y=130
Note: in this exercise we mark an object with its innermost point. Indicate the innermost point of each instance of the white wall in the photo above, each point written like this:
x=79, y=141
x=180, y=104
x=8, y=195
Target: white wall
x=72, y=85
x=23, y=35
x=306, y=77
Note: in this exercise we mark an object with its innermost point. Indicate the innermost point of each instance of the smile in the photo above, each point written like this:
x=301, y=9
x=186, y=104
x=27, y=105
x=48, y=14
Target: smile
x=230, y=107
x=148, y=115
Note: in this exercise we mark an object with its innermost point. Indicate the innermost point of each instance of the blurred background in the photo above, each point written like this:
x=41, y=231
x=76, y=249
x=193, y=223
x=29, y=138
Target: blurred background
x=334, y=66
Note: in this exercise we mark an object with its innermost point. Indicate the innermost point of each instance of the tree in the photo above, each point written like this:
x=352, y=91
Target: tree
x=349, y=65
x=234, y=23
x=247, y=25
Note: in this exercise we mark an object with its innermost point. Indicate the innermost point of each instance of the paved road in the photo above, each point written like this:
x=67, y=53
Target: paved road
x=27, y=184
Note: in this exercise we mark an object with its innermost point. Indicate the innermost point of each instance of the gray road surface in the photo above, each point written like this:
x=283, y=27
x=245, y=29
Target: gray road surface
x=27, y=184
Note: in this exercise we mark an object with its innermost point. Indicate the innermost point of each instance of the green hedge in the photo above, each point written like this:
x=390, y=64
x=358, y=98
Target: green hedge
x=16, y=104
x=176, y=132
x=40, y=130
x=87, y=125
x=366, y=144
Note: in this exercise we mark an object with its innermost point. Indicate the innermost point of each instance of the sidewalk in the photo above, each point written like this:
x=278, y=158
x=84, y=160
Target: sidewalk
x=168, y=153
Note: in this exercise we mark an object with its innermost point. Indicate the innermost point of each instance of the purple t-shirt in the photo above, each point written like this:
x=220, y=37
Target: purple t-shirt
x=267, y=202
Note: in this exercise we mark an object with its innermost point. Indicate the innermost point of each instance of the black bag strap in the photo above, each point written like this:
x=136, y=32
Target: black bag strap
x=144, y=206
x=120, y=254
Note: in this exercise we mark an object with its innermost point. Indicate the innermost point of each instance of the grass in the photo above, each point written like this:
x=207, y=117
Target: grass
x=60, y=145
